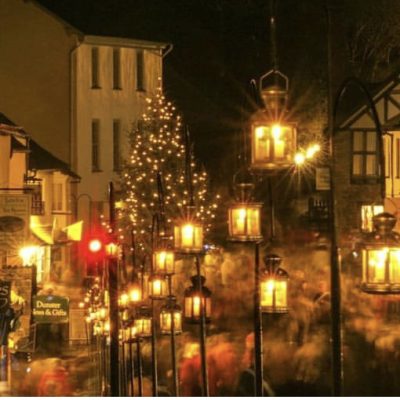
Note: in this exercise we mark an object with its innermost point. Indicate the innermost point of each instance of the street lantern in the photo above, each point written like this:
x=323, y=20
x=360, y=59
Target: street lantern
x=171, y=308
x=142, y=322
x=188, y=234
x=123, y=300
x=196, y=295
x=273, y=286
x=164, y=260
x=112, y=250
x=273, y=140
x=244, y=216
x=381, y=257
x=135, y=293
x=273, y=144
x=157, y=287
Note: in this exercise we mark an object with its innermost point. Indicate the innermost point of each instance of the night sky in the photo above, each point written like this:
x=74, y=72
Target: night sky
x=219, y=46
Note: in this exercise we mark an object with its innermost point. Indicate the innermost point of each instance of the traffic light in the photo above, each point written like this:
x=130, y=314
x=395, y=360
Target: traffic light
x=94, y=253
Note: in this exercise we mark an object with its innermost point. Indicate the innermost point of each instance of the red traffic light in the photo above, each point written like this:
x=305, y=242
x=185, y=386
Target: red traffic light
x=95, y=245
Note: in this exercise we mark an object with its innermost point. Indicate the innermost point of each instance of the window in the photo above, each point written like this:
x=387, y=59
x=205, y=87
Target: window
x=95, y=68
x=116, y=69
x=140, y=70
x=365, y=166
x=57, y=203
x=95, y=145
x=116, y=145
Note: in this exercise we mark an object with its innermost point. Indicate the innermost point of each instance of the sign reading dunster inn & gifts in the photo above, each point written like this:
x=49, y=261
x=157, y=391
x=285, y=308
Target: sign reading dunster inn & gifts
x=50, y=309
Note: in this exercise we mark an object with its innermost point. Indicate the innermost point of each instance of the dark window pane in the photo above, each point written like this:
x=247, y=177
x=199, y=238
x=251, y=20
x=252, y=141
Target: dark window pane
x=95, y=145
x=95, y=67
x=371, y=141
x=358, y=141
x=116, y=69
x=140, y=70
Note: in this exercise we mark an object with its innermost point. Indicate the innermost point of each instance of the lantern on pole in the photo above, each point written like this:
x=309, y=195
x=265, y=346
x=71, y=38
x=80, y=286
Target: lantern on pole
x=244, y=216
x=188, y=233
x=273, y=140
x=368, y=212
x=163, y=260
x=157, y=287
x=195, y=295
x=381, y=256
x=171, y=310
x=143, y=322
x=273, y=286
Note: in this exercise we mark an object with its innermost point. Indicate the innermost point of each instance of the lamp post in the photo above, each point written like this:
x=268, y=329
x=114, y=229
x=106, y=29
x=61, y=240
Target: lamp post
x=336, y=337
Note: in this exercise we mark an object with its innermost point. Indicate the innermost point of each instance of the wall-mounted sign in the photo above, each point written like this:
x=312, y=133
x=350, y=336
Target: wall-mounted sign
x=322, y=179
x=50, y=309
x=5, y=290
x=14, y=220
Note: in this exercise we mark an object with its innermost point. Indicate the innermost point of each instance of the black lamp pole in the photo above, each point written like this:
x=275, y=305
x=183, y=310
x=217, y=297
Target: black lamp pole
x=337, y=356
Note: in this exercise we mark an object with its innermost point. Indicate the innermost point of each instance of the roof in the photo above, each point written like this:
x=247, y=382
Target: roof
x=354, y=102
x=95, y=24
x=41, y=159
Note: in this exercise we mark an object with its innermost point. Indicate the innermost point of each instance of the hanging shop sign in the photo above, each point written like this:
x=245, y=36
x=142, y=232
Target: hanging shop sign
x=14, y=220
x=50, y=309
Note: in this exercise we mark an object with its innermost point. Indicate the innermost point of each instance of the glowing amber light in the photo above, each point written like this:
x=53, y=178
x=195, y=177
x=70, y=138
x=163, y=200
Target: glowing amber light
x=29, y=255
x=171, y=308
x=123, y=300
x=157, y=287
x=188, y=237
x=164, y=261
x=112, y=249
x=367, y=214
x=197, y=296
x=244, y=221
x=380, y=251
x=273, y=145
x=135, y=294
x=142, y=323
x=274, y=296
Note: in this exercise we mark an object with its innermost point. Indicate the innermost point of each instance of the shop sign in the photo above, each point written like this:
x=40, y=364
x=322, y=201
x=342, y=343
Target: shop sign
x=50, y=309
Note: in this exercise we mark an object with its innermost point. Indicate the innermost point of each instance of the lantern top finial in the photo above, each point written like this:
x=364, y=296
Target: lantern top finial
x=272, y=260
x=384, y=223
x=195, y=280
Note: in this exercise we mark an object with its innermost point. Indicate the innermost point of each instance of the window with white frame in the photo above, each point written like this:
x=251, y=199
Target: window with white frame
x=365, y=161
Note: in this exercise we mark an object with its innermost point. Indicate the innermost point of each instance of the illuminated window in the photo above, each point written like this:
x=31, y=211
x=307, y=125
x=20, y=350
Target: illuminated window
x=116, y=69
x=365, y=167
x=95, y=145
x=116, y=145
x=140, y=84
x=95, y=68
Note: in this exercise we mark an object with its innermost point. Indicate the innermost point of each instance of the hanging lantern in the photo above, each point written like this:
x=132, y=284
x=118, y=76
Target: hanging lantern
x=196, y=295
x=123, y=300
x=112, y=249
x=188, y=234
x=171, y=308
x=142, y=322
x=244, y=217
x=135, y=292
x=157, y=287
x=164, y=260
x=381, y=257
x=273, y=142
x=273, y=286
x=367, y=214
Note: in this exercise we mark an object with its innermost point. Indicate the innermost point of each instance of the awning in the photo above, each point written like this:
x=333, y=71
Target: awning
x=74, y=231
x=42, y=232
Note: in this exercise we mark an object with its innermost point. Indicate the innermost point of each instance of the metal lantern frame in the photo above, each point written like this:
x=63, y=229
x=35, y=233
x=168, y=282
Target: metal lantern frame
x=274, y=286
x=202, y=294
x=143, y=322
x=381, y=257
x=164, y=260
x=171, y=310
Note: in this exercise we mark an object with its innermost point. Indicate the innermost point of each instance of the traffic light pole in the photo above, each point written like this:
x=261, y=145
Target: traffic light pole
x=114, y=314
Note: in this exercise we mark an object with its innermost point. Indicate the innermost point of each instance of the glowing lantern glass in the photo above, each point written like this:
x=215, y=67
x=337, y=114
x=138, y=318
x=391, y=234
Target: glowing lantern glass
x=244, y=217
x=135, y=293
x=273, y=145
x=188, y=234
x=142, y=322
x=367, y=214
x=164, y=261
x=273, y=286
x=196, y=296
x=123, y=300
x=171, y=308
x=157, y=287
x=381, y=257
x=112, y=250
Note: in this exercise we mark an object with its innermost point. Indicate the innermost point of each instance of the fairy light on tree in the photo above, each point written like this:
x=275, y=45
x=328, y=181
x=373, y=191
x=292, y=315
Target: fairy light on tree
x=157, y=144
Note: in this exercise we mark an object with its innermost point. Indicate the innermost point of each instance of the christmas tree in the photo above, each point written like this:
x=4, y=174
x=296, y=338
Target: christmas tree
x=157, y=146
